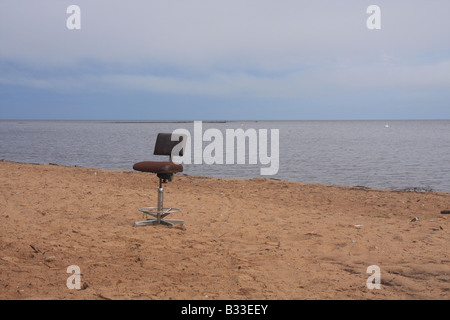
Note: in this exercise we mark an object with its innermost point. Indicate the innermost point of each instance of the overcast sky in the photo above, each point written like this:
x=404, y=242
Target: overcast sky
x=224, y=59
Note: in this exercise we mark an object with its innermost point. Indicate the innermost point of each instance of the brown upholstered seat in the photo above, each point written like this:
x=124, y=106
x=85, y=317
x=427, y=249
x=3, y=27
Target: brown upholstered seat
x=158, y=167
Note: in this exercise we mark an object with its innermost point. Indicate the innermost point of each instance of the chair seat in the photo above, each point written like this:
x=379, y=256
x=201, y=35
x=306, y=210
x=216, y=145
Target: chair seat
x=158, y=167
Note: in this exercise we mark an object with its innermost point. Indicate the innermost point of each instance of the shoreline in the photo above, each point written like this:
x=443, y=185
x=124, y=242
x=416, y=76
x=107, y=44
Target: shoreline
x=257, y=238
x=361, y=187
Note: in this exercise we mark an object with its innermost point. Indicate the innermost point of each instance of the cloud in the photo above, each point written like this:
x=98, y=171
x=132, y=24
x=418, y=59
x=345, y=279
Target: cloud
x=201, y=34
x=240, y=84
x=261, y=49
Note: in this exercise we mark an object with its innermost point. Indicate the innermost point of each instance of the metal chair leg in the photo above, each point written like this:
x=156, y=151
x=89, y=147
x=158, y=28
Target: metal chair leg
x=159, y=213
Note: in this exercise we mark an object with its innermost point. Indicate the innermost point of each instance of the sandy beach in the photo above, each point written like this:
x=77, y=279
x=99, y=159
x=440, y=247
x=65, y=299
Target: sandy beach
x=242, y=239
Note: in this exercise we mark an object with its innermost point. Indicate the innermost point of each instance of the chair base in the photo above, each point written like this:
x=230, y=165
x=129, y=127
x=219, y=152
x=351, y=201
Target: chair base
x=159, y=214
x=154, y=222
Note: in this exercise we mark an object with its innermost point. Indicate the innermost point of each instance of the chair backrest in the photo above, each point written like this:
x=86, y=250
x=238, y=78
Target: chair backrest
x=164, y=144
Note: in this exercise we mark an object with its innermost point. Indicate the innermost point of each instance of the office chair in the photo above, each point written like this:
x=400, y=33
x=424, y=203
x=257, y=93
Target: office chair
x=164, y=170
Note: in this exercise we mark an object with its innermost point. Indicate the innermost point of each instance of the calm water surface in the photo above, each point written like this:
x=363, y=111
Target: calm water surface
x=408, y=154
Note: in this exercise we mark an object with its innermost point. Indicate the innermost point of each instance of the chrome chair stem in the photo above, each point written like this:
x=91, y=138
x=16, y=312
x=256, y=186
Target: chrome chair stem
x=159, y=213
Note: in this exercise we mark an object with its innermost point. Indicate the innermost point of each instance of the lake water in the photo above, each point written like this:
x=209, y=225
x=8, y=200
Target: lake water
x=408, y=154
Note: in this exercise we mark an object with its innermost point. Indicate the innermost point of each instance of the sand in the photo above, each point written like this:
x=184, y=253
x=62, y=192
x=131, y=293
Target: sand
x=242, y=239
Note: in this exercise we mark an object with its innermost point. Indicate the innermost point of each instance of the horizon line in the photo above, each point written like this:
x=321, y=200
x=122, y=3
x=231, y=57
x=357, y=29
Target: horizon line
x=221, y=120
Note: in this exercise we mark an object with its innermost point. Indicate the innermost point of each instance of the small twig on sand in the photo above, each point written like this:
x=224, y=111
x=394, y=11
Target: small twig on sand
x=102, y=296
x=35, y=250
